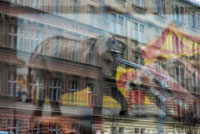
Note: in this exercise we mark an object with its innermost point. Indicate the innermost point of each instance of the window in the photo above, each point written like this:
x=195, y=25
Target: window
x=141, y=33
x=181, y=16
x=74, y=8
x=38, y=86
x=175, y=43
x=138, y=32
x=138, y=3
x=138, y=60
x=73, y=86
x=91, y=54
x=198, y=21
x=91, y=14
x=198, y=85
x=13, y=125
x=156, y=6
x=159, y=7
x=117, y=24
x=36, y=128
x=12, y=83
x=135, y=31
x=176, y=13
x=135, y=2
x=73, y=47
x=143, y=131
x=121, y=130
x=12, y=36
x=162, y=7
x=55, y=88
x=120, y=25
x=33, y=41
x=177, y=74
x=20, y=38
x=90, y=93
x=141, y=3
x=182, y=74
x=192, y=19
x=35, y=3
x=136, y=130
x=53, y=129
x=113, y=130
x=113, y=23
x=194, y=81
x=55, y=6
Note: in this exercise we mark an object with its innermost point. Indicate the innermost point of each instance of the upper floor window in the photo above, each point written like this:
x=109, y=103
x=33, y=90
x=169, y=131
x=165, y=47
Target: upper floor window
x=91, y=54
x=198, y=17
x=12, y=36
x=55, y=88
x=37, y=85
x=55, y=6
x=192, y=19
x=113, y=23
x=74, y=8
x=138, y=3
x=120, y=25
x=117, y=24
x=159, y=7
x=138, y=32
x=138, y=59
x=193, y=79
x=12, y=81
x=135, y=31
x=141, y=33
x=178, y=13
x=91, y=14
x=181, y=16
x=74, y=50
x=180, y=75
x=35, y=3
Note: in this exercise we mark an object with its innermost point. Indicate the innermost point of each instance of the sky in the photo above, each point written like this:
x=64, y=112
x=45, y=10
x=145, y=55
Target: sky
x=195, y=1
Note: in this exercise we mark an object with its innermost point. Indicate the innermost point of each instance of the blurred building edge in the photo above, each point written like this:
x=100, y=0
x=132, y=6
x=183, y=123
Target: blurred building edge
x=55, y=52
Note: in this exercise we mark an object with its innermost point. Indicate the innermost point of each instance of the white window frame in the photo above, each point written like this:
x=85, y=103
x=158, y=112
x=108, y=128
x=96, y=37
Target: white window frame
x=12, y=35
x=73, y=85
x=135, y=2
x=156, y=7
x=35, y=3
x=120, y=26
x=12, y=83
x=91, y=54
x=141, y=33
x=74, y=5
x=55, y=84
x=135, y=30
x=38, y=84
x=141, y=3
x=113, y=23
x=192, y=19
x=91, y=14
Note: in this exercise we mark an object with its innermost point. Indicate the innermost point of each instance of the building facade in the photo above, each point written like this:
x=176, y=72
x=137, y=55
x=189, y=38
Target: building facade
x=59, y=73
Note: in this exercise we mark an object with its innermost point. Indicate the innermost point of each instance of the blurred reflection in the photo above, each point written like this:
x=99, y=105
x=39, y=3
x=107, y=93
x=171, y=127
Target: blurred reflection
x=99, y=66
